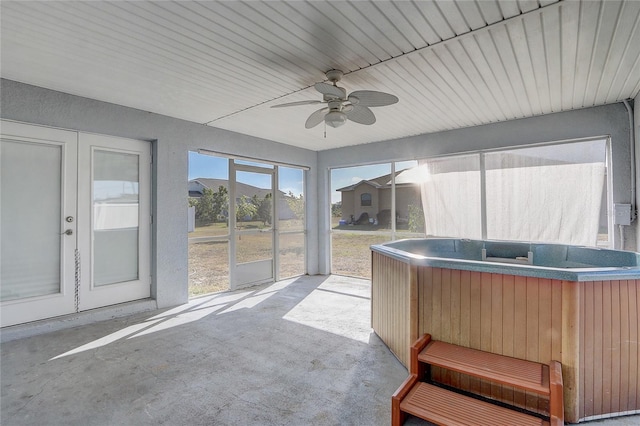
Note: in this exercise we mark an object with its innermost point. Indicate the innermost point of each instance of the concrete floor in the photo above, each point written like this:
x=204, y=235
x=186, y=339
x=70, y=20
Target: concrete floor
x=297, y=352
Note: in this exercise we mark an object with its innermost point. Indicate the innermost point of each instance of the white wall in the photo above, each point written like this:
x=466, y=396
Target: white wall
x=172, y=139
x=610, y=120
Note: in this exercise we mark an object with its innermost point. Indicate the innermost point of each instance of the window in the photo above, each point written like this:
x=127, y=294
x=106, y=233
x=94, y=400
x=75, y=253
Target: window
x=548, y=193
x=356, y=225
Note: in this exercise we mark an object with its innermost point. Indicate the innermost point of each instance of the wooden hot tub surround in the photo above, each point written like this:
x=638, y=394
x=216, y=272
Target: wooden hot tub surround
x=590, y=325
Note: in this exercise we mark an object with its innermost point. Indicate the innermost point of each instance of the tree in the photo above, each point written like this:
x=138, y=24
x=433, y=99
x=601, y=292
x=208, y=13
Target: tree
x=204, y=207
x=264, y=208
x=245, y=208
x=220, y=204
x=296, y=204
x=336, y=209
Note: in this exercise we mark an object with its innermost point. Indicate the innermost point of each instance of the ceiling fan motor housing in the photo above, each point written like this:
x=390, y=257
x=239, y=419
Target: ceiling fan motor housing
x=334, y=76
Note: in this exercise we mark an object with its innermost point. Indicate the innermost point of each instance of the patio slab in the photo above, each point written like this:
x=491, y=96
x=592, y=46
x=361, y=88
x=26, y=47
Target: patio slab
x=297, y=352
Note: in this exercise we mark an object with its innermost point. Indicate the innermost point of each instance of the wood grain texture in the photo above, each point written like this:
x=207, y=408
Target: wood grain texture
x=609, y=347
x=391, y=300
x=592, y=328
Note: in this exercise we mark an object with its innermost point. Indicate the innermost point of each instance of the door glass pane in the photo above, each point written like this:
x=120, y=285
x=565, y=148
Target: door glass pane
x=115, y=217
x=254, y=202
x=30, y=176
x=254, y=246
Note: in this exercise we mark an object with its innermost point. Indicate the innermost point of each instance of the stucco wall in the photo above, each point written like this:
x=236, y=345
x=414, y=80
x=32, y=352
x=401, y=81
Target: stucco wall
x=172, y=139
x=610, y=120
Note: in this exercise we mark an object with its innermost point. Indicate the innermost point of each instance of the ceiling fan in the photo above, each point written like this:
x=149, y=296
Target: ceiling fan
x=341, y=107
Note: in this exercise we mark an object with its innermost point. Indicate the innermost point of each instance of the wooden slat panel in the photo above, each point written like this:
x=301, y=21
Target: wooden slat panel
x=617, y=348
x=607, y=348
x=425, y=283
x=508, y=328
x=390, y=300
x=455, y=317
x=435, y=303
x=545, y=330
x=532, y=330
x=586, y=338
x=496, y=325
x=485, y=324
x=625, y=342
x=465, y=318
x=633, y=397
x=569, y=357
x=598, y=342
x=520, y=330
x=609, y=340
x=634, y=343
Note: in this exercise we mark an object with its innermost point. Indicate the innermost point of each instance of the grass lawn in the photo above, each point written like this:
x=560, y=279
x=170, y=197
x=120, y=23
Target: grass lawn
x=350, y=252
x=209, y=260
x=351, y=256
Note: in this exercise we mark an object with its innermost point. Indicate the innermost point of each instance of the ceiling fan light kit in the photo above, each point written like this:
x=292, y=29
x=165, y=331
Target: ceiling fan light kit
x=340, y=107
x=335, y=118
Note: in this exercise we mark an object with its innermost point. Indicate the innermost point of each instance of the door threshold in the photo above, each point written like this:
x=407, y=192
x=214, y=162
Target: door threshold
x=21, y=331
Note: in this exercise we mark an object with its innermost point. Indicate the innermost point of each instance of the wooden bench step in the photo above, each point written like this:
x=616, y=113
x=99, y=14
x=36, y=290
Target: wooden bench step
x=523, y=374
x=444, y=407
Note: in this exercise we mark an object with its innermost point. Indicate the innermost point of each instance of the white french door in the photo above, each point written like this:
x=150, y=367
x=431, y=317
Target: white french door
x=74, y=222
x=37, y=222
x=114, y=220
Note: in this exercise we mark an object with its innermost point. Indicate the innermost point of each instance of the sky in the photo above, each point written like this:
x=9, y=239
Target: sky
x=209, y=166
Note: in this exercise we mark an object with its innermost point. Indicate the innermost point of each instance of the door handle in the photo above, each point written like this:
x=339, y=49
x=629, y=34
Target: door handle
x=68, y=232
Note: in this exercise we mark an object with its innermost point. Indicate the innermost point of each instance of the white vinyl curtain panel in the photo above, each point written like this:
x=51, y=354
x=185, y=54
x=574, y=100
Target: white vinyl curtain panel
x=450, y=191
x=526, y=198
x=555, y=203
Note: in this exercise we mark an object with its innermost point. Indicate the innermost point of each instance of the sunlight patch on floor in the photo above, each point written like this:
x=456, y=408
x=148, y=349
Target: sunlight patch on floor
x=329, y=308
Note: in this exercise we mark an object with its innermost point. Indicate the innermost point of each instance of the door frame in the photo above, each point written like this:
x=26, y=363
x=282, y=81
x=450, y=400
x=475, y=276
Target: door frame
x=66, y=301
x=76, y=290
x=92, y=296
x=238, y=277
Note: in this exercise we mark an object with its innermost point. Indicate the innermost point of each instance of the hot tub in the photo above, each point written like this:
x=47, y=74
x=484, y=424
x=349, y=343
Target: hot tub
x=577, y=305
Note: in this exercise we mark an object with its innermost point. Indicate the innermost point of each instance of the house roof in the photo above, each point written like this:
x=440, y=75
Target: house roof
x=241, y=188
x=452, y=64
x=377, y=182
x=355, y=185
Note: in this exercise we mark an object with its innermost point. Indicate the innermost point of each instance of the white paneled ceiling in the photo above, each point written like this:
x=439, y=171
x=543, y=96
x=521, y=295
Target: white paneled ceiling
x=452, y=63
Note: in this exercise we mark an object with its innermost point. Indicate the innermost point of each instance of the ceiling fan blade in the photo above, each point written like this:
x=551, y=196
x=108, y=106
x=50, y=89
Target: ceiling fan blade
x=329, y=89
x=316, y=118
x=361, y=114
x=371, y=98
x=296, y=104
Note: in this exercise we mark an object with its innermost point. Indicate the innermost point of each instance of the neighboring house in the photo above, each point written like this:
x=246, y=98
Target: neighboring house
x=197, y=186
x=373, y=196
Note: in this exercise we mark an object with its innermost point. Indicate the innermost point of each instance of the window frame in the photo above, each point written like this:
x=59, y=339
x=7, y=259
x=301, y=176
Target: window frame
x=364, y=202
